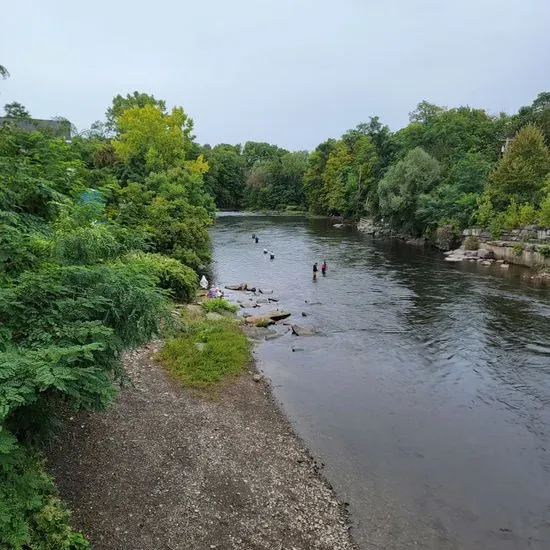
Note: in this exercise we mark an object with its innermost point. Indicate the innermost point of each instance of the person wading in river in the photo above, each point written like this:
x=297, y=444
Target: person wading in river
x=324, y=268
x=315, y=271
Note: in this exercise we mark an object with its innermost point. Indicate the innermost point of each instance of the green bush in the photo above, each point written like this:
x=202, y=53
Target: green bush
x=170, y=274
x=544, y=250
x=206, y=353
x=219, y=305
x=517, y=215
x=471, y=243
x=85, y=246
x=31, y=516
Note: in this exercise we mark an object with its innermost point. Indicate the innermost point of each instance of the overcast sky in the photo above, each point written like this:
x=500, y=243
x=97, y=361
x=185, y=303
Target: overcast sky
x=291, y=72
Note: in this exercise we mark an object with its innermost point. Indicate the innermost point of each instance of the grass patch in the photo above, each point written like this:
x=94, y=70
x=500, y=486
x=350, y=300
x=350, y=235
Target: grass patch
x=218, y=305
x=206, y=352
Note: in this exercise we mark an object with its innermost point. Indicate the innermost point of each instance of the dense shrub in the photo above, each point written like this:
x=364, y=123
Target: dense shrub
x=170, y=274
x=30, y=514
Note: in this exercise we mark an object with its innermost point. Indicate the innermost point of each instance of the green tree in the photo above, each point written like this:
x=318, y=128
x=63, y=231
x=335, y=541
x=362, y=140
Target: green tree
x=425, y=112
x=449, y=134
x=255, y=153
x=152, y=139
x=225, y=179
x=399, y=190
x=338, y=181
x=538, y=113
x=123, y=103
x=313, y=178
x=520, y=174
x=16, y=110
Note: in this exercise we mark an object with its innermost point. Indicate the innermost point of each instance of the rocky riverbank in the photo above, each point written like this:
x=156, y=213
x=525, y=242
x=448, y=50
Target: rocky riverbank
x=167, y=467
x=526, y=246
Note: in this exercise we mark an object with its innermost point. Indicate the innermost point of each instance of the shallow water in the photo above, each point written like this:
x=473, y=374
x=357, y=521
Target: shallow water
x=426, y=393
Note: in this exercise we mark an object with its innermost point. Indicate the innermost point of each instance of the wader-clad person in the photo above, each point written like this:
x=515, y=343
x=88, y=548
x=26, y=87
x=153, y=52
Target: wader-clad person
x=315, y=271
x=324, y=268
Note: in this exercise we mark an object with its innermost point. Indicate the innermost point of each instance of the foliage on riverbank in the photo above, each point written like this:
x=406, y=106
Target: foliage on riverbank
x=219, y=305
x=95, y=235
x=206, y=352
x=444, y=169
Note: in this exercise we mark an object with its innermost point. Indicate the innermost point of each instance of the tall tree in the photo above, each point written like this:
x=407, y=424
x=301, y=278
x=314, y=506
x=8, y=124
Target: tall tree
x=338, y=183
x=313, y=177
x=400, y=188
x=226, y=178
x=123, y=103
x=521, y=172
x=153, y=139
x=255, y=152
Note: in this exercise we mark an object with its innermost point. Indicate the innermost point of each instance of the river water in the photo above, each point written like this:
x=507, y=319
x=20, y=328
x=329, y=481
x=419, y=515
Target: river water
x=427, y=392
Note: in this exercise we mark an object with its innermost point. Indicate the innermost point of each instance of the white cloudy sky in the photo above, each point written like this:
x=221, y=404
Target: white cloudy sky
x=291, y=72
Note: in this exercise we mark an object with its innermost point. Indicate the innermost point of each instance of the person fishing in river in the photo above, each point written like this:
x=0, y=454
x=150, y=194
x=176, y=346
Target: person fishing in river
x=324, y=268
x=315, y=271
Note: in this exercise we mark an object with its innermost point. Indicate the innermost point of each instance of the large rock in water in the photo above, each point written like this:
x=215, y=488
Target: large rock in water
x=241, y=286
x=267, y=318
x=277, y=315
x=301, y=331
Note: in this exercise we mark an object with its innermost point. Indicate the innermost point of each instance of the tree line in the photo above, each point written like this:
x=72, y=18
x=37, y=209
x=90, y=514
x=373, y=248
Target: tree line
x=448, y=167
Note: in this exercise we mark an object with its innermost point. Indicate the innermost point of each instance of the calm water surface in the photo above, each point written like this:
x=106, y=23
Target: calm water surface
x=427, y=393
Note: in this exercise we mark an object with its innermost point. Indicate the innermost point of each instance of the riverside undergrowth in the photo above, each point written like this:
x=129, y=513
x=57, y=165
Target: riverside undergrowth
x=97, y=236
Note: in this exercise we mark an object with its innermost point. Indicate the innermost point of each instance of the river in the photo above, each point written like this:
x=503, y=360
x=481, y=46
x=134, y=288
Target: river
x=426, y=393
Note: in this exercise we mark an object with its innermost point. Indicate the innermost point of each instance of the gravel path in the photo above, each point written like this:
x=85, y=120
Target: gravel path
x=165, y=469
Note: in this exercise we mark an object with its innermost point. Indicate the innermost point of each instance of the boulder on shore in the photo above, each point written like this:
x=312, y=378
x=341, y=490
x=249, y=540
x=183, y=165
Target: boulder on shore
x=241, y=286
x=485, y=254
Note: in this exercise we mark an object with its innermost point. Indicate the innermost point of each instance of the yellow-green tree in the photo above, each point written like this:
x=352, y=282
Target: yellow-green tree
x=337, y=182
x=152, y=138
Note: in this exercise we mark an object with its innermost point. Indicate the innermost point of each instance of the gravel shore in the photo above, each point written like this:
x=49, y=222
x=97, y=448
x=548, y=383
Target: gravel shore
x=167, y=469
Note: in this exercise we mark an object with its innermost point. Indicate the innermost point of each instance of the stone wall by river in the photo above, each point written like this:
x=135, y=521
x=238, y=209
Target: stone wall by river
x=528, y=246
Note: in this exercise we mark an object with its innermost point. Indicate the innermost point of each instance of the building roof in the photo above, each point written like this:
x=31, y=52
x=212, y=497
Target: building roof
x=59, y=128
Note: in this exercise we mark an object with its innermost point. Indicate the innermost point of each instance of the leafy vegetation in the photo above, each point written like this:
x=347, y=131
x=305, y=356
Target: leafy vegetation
x=95, y=235
x=219, y=305
x=206, y=352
